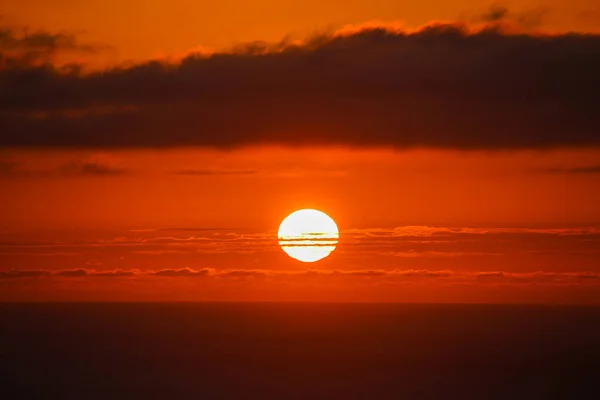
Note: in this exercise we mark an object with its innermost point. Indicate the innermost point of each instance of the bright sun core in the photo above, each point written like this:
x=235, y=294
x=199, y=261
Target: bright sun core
x=308, y=235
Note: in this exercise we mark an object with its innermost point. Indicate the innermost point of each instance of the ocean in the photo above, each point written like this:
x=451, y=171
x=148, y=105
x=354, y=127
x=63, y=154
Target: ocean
x=298, y=351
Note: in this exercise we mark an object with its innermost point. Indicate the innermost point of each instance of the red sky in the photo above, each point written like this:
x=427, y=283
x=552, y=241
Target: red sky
x=460, y=164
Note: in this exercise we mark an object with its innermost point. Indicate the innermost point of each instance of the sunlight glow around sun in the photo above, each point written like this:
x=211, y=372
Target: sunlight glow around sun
x=308, y=235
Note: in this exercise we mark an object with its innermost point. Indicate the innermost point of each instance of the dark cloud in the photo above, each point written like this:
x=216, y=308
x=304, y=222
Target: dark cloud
x=244, y=273
x=182, y=272
x=73, y=168
x=369, y=276
x=401, y=242
x=396, y=275
x=208, y=172
x=498, y=15
x=91, y=168
x=24, y=274
x=594, y=169
x=200, y=229
x=115, y=274
x=538, y=277
x=496, y=12
x=11, y=40
x=363, y=273
x=74, y=273
x=22, y=48
x=444, y=86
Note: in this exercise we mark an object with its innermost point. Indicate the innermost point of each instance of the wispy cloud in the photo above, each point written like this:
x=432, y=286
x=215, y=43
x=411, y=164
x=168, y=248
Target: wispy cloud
x=94, y=166
x=24, y=48
x=400, y=242
x=187, y=272
x=367, y=276
x=214, y=171
x=91, y=168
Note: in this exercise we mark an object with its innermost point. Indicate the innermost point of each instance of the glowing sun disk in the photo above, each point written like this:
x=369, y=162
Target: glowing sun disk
x=308, y=235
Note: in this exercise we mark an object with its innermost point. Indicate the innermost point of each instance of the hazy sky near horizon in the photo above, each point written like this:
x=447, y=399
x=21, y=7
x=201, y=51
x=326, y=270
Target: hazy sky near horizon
x=460, y=159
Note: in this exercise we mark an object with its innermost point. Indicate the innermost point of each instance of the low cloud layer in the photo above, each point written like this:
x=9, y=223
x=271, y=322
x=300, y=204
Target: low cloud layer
x=444, y=86
x=372, y=276
x=404, y=242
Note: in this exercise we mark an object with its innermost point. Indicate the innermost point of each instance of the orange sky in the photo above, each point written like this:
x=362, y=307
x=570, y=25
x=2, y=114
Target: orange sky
x=253, y=188
x=478, y=211
x=141, y=29
x=509, y=212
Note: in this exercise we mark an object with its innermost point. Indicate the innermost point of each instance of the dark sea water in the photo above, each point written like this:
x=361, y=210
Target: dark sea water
x=298, y=351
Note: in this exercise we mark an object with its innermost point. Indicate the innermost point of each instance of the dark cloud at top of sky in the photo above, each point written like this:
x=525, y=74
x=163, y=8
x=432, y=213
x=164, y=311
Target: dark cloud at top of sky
x=444, y=86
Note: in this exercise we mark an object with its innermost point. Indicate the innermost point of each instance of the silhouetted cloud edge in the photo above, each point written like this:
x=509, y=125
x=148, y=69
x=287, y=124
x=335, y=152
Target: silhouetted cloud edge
x=443, y=86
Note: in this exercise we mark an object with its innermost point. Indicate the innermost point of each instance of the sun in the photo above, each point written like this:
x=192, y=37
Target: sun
x=308, y=235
